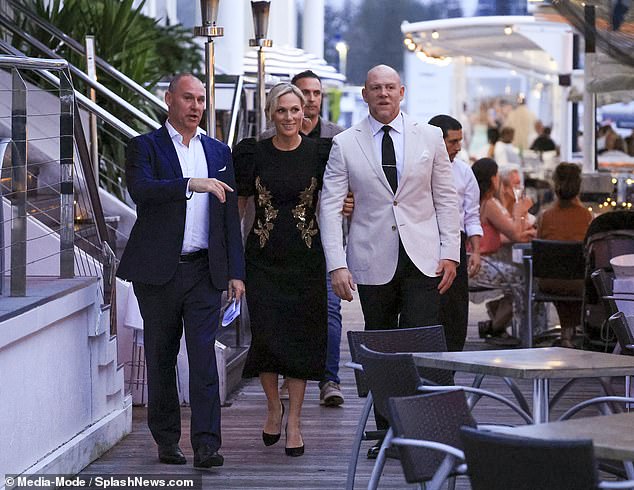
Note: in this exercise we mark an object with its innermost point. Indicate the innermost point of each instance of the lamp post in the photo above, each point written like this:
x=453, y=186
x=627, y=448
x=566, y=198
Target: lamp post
x=260, y=11
x=342, y=49
x=209, y=11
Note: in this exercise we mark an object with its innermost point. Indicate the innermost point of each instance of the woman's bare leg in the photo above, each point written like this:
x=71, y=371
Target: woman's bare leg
x=273, y=424
x=296, y=390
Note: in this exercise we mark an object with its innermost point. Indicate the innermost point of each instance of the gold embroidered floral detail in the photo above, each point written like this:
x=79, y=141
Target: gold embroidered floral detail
x=262, y=229
x=306, y=198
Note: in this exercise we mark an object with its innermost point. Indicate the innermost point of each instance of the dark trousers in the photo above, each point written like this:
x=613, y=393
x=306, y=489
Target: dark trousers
x=454, y=304
x=410, y=299
x=188, y=300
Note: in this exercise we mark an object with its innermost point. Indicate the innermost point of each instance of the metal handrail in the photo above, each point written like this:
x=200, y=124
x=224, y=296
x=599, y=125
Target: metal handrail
x=80, y=74
x=68, y=96
x=19, y=59
x=31, y=63
x=101, y=63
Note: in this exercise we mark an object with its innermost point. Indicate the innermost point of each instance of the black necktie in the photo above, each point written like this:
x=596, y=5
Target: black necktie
x=388, y=158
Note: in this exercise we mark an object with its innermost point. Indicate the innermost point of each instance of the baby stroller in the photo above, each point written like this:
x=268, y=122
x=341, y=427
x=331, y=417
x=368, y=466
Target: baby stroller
x=609, y=235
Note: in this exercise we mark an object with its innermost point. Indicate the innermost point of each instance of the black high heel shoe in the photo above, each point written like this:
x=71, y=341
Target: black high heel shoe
x=293, y=451
x=270, y=439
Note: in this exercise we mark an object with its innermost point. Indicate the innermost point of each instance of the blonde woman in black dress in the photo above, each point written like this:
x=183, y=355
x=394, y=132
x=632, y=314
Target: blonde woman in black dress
x=286, y=271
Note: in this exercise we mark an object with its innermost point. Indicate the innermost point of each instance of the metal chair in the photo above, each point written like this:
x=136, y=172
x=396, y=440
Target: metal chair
x=603, y=282
x=553, y=259
x=392, y=375
x=420, y=339
x=620, y=325
x=427, y=436
x=498, y=461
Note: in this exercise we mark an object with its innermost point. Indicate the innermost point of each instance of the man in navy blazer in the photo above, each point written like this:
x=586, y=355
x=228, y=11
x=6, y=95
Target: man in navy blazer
x=184, y=250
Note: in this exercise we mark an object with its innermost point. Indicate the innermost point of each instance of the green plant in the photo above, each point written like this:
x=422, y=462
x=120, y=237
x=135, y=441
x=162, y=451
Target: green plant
x=133, y=43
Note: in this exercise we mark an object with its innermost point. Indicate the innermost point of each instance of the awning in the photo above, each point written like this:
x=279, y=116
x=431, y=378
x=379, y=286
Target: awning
x=287, y=62
x=522, y=43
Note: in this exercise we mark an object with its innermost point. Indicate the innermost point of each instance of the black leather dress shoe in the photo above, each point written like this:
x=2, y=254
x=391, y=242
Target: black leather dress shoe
x=206, y=457
x=171, y=454
x=373, y=452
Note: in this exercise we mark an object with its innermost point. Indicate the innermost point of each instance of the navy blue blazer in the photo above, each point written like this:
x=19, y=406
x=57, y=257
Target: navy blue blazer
x=156, y=184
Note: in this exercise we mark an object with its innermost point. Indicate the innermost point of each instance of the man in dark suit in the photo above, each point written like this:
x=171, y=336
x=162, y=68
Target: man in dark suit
x=184, y=250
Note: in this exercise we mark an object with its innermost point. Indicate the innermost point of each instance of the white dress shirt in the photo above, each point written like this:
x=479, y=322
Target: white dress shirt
x=193, y=164
x=396, y=133
x=468, y=198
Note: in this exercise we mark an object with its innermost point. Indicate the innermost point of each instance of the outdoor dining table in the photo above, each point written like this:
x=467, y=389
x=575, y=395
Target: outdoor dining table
x=612, y=435
x=539, y=365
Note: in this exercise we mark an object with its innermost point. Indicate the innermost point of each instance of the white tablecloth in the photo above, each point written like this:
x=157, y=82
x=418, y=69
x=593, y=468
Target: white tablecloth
x=130, y=319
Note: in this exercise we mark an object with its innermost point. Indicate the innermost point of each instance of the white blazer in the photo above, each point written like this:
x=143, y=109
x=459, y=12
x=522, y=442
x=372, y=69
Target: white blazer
x=424, y=210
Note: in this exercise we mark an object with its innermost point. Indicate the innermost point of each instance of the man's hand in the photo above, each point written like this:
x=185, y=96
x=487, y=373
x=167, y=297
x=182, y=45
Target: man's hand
x=348, y=205
x=213, y=186
x=447, y=268
x=474, y=264
x=307, y=125
x=342, y=283
x=235, y=289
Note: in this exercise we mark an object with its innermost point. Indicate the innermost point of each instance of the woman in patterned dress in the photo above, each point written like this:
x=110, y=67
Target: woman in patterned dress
x=286, y=270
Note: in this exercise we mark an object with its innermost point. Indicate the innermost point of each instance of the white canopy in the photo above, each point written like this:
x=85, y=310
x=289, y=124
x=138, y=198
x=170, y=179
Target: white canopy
x=286, y=62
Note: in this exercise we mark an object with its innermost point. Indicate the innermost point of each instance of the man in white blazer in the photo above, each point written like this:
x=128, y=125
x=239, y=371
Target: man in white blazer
x=403, y=244
x=404, y=234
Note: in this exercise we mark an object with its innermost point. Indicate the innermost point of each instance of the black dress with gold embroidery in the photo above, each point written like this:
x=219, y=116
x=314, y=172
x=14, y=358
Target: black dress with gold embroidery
x=285, y=265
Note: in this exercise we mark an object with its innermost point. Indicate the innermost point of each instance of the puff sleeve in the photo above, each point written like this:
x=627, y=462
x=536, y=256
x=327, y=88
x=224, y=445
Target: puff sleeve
x=244, y=163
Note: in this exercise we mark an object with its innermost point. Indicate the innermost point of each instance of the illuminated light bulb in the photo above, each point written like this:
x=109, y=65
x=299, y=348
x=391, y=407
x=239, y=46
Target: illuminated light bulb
x=508, y=30
x=614, y=181
x=613, y=203
x=435, y=35
x=600, y=206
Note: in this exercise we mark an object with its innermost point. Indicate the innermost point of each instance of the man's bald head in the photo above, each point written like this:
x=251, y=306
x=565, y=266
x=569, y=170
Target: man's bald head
x=383, y=93
x=382, y=70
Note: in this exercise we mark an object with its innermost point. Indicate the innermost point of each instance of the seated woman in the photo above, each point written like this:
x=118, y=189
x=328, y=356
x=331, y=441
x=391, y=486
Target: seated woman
x=497, y=270
x=511, y=192
x=565, y=219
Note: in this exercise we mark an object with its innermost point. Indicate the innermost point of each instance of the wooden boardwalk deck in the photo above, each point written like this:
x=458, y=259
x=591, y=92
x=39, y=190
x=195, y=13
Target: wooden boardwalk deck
x=327, y=432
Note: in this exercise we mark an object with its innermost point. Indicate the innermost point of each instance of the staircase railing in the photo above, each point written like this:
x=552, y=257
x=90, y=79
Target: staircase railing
x=60, y=201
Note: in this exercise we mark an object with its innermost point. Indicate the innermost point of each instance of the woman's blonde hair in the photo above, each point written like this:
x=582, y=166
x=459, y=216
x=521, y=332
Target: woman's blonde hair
x=272, y=100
